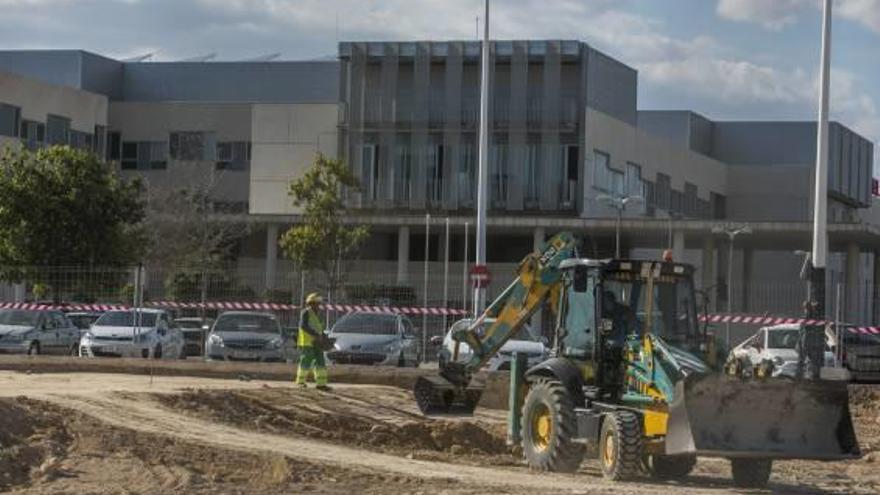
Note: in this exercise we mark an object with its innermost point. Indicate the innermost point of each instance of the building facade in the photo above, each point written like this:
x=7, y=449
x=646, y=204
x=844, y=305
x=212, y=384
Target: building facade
x=566, y=134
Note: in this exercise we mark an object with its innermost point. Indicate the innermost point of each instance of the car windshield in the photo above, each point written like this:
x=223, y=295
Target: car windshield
x=247, y=323
x=782, y=339
x=126, y=319
x=19, y=317
x=368, y=324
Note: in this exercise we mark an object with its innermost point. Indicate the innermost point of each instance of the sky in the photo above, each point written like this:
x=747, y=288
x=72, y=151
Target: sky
x=725, y=59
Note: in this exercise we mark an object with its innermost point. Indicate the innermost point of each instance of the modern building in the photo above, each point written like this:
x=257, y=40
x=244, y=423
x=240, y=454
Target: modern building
x=566, y=134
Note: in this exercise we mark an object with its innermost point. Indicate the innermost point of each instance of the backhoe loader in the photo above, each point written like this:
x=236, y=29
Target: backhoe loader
x=633, y=376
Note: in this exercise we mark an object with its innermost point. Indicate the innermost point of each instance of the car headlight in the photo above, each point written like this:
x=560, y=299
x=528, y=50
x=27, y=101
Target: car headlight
x=88, y=336
x=391, y=347
x=778, y=361
x=274, y=343
x=215, y=339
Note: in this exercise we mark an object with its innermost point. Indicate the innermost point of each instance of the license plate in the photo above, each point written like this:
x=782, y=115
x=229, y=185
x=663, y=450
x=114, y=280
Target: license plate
x=242, y=355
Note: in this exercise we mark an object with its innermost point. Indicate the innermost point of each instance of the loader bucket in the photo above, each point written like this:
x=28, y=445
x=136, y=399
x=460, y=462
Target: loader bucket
x=723, y=416
x=435, y=394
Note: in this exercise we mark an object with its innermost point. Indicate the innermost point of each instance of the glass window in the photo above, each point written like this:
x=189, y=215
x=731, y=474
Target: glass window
x=634, y=184
x=19, y=317
x=114, y=146
x=158, y=154
x=401, y=176
x=782, y=339
x=370, y=172
x=58, y=129
x=662, y=191
x=191, y=146
x=233, y=155
x=10, y=120
x=98, y=144
x=367, y=323
x=126, y=319
x=498, y=178
x=435, y=173
x=466, y=167
x=533, y=173
x=129, y=155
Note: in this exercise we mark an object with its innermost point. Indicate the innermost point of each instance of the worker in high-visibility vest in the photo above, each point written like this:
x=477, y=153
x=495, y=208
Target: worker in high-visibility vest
x=311, y=356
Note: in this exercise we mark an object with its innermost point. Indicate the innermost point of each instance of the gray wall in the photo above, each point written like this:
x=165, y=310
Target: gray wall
x=59, y=67
x=252, y=82
x=612, y=86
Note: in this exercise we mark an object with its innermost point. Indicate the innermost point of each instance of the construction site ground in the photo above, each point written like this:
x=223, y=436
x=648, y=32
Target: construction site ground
x=93, y=431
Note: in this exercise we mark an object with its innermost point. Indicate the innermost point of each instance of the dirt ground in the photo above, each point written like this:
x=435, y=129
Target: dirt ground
x=108, y=434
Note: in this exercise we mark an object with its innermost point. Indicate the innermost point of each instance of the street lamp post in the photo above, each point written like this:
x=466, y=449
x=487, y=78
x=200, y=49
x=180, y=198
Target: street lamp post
x=731, y=231
x=619, y=204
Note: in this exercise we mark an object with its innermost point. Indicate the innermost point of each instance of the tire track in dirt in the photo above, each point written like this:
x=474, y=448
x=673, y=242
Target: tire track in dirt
x=143, y=415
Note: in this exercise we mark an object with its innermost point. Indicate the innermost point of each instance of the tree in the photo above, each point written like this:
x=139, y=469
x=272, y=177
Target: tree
x=192, y=234
x=322, y=240
x=63, y=207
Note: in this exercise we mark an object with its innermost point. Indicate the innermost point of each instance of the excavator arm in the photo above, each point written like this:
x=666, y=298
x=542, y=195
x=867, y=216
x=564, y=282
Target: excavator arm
x=538, y=278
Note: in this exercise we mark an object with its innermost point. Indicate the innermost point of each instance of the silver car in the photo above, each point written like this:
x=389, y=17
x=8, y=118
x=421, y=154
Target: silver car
x=246, y=336
x=386, y=339
x=147, y=333
x=24, y=331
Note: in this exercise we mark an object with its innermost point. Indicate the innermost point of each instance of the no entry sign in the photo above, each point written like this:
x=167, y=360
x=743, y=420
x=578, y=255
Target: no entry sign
x=480, y=276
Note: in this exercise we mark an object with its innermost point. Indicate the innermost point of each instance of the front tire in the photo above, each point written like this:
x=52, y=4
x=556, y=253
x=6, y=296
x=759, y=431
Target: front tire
x=550, y=428
x=669, y=467
x=34, y=349
x=751, y=473
x=157, y=352
x=620, y=446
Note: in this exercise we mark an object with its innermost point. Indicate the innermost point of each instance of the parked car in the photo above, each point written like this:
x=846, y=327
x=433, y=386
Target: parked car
x=146, y=333
x=385, y=339
x=861, y=354
x=194, y=330
x=25, y=331
x=778, y=345
x=524, y=341
x=83, y=319
x=246, y=336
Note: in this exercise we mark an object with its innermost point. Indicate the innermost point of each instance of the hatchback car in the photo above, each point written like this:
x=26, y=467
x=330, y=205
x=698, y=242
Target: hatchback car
x=778, y=345
x=246, y=336
x=524, y=342
x=24, y=331
x=386, y=339
x=133, y=333
x=194, y=331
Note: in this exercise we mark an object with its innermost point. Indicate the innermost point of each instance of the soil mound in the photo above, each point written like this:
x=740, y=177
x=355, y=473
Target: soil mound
x=33, y=440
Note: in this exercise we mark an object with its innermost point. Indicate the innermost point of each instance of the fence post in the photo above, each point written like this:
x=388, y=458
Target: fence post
x=446, y=274
x=425, y=290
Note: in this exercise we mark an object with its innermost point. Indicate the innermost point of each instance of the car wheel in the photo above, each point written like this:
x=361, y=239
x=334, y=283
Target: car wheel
x=74, y=350
x=34, y=349
x=157, y=352
x=401, y=362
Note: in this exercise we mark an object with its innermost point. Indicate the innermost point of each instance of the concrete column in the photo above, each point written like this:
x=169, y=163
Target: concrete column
x=709, y=273
x=851, y=291
x=538, y=238
x=678, y=246
x=271, y=255
x=875, y=289
x=403, y=254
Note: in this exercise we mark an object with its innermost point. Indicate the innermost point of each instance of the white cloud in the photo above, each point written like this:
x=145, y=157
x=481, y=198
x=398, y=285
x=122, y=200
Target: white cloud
x=865, y=12
x=777, y=14
x=771, y=14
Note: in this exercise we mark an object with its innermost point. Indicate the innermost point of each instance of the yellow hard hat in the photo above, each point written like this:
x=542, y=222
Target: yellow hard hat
x=314, y=298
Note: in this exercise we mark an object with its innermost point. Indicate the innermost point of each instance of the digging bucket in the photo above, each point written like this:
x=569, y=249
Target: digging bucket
x=723, y=416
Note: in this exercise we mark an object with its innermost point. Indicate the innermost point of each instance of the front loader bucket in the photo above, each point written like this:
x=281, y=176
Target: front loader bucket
x=437, y=395
x=724, y=416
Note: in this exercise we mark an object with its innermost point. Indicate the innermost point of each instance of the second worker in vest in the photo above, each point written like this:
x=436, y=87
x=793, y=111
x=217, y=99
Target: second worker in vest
x=311, y=355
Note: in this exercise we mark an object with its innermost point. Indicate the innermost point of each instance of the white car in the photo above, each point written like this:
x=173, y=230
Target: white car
x=524, y=341
x=777, y=344
x=146, y=333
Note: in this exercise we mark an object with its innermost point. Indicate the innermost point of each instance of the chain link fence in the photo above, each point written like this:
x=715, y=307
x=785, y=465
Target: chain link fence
x=423, y=299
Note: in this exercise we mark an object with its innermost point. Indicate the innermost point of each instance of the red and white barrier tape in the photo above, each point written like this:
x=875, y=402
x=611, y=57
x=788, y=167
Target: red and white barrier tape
x=406, y=310
x=243, y=306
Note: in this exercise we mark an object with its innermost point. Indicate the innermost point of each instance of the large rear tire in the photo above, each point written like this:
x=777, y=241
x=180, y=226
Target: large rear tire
x=751, y=473
x=669, y=467
x=620, y=446
x=550, y=428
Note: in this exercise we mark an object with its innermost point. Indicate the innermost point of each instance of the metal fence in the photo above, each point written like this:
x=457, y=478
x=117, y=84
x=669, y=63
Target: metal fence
x=428, y=297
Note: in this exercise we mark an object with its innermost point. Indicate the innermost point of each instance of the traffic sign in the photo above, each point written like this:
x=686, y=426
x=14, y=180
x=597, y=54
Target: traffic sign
x=480, y=276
